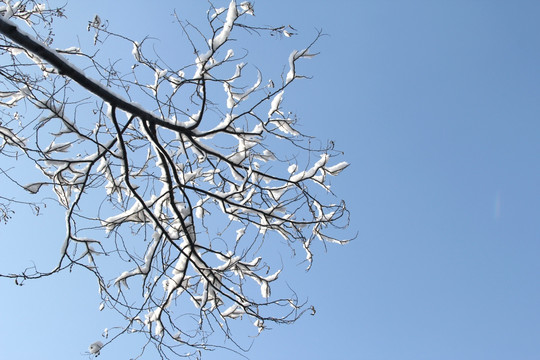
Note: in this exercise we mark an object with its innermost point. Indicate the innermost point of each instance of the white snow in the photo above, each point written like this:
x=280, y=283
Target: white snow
x=204, y=61
x=33, y=188
x=218, y=11
x=284, y=126
x=276, y=102
x=134, y=214
x=295, y=55
x=10, y=138
x=311, y=172
x=54, y=147
x=15, y=96
x=40, y=7
x=11, y=10
x=336, y=169
x=135, y=51
x=247, y=7
x=94, y=348
x=292, y=168
x=154, y=317
x=278, y=192
x=232, y=15
x=240, y=233
x=265, y=289
x=234, y=311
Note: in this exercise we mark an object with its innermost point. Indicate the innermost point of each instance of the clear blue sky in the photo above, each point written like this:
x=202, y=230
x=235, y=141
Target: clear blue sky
x=436, y=105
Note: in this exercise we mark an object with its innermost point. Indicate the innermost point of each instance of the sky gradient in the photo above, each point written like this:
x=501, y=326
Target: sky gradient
x=436, y=105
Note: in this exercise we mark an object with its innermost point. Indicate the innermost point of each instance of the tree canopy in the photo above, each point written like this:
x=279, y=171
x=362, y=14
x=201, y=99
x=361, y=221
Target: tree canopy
x=179, y=180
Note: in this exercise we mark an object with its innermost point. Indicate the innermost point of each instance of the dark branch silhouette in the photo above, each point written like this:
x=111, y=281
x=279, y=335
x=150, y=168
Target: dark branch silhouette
x=172, y=210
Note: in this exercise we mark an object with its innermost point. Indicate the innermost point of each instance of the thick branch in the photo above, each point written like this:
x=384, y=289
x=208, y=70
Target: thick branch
x=67, y=69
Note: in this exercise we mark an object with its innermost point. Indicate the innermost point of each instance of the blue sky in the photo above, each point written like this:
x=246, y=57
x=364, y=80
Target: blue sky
x=436, y=105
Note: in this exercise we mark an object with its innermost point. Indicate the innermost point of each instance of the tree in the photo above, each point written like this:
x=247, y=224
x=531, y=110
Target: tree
x=176, y=179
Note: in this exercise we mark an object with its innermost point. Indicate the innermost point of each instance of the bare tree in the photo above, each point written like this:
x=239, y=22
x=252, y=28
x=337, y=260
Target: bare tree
x=176, y=179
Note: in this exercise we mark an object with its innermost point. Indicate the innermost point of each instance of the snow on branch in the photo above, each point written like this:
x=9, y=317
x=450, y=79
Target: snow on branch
x=65, y=68
x=173, y=194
